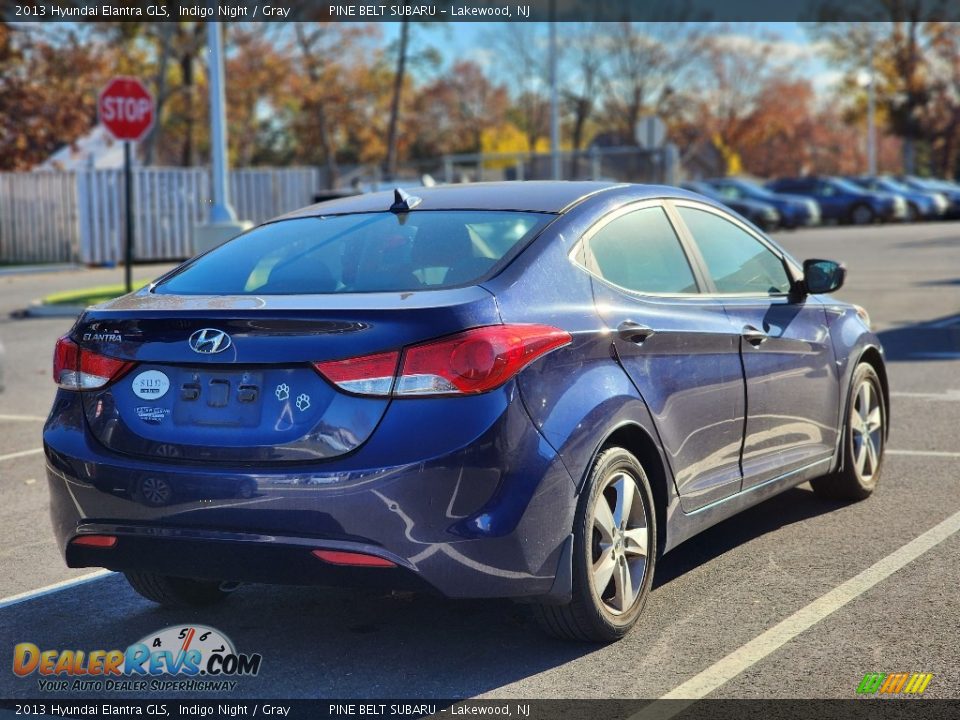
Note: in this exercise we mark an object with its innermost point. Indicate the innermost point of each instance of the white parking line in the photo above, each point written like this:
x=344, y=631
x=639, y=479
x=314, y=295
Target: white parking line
x=22, y=418
x=946, y=395
x=724, y=670
x=925, y=453
x=22, y=453
x=55, y=587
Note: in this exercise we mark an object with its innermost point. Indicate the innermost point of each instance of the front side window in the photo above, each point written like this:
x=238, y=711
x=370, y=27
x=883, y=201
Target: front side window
x=737, y=261
x=640, y=251
x=363, y=252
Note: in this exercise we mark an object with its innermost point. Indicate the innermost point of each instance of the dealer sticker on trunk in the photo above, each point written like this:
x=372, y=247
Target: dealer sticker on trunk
x=151, y=385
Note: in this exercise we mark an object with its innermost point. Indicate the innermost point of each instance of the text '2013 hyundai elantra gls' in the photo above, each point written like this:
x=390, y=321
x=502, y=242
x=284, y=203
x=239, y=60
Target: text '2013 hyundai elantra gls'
x=521, y=390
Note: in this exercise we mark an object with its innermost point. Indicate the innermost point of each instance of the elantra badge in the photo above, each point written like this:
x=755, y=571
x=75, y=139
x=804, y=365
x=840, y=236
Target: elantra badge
x=209, y=341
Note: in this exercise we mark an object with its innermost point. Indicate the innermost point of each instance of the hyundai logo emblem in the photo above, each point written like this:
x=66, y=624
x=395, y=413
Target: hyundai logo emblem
x=209, y=341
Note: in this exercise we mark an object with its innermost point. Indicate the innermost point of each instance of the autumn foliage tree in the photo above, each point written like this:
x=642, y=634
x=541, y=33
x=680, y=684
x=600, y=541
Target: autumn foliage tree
x=43, y=102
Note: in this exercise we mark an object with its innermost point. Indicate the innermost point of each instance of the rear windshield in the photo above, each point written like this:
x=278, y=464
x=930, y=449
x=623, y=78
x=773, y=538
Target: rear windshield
x=364, y=252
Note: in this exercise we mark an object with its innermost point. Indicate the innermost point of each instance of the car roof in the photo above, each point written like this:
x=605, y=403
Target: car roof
x=530, y=195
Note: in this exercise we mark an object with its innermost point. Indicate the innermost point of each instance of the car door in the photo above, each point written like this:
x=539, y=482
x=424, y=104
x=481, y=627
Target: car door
x=677, y=346
x=834, y=203
x=792, y=386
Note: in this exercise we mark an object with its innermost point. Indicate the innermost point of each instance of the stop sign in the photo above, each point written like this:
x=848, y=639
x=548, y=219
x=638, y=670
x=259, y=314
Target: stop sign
x=126, y=108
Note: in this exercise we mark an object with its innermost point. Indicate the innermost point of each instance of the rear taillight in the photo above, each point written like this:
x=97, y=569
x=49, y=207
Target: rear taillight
x=78, y=369
x=469, y=362
x=367, y=375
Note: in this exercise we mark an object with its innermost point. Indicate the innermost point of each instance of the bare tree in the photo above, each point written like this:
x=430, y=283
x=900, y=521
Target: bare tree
x=521, y=51
x=405, y=58
x=582, y=58
x=647, y=63
x=902, y=48
x=317, y=43
x=392, y=131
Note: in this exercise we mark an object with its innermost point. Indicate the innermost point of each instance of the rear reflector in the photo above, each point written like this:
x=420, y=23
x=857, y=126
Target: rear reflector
x=470, y=362
x=338, y=557
x=96, y=541
x=78, y=369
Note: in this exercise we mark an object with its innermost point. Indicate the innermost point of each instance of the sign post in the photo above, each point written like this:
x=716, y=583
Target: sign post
x=126, y=108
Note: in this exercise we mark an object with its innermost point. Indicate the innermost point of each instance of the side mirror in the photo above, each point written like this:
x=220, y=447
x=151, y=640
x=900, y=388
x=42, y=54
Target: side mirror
x=823, y=276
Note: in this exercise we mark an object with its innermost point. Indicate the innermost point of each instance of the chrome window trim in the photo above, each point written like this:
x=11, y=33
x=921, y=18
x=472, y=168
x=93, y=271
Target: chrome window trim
x=578, y=251
x=789, y=266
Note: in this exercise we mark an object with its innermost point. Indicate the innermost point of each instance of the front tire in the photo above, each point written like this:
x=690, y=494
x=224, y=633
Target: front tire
x=614, y=553
x=864, y=439
x=177, y=592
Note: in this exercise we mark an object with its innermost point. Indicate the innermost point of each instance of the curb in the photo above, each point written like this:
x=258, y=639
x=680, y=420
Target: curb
x=36, y=269
x=37, y=309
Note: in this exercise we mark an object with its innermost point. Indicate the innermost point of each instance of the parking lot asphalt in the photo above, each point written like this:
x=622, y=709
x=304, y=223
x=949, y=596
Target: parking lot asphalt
x=723, y=604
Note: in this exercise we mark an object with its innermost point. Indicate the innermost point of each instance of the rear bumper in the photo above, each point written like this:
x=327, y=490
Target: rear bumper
x=463, y=495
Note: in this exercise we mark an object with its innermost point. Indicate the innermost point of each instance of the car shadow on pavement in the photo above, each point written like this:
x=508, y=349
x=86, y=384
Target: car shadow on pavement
x=937, y=339
x=342, y=643
x=795, y=505
x=315, y=642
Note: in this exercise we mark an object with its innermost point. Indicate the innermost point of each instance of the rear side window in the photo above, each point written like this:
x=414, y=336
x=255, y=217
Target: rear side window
x=737, y=261
x=640, y=251
x=364, y=252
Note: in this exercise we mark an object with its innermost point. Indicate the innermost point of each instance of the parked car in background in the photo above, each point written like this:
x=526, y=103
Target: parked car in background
x=795, y=210
x=519, y=390
x=764, y=215
x=921, y=204
x=843, y=201
x=950, y=191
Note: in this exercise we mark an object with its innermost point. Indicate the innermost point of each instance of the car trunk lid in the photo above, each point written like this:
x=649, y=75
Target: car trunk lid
x=247, y=390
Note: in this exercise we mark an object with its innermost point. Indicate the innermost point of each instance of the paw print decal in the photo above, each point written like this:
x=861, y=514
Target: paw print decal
x=303, y=402
x=282, y=392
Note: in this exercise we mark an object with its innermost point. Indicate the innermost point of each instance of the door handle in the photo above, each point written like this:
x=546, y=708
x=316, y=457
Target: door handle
x=753, y=336
x=634, y=332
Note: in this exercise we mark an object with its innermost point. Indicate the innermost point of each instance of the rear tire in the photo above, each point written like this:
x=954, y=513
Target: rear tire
x=176, y=592
x=614, y=553
x=862, y=214
x=864, y=440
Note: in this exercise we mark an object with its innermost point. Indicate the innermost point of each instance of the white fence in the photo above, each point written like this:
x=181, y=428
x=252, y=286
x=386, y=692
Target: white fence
x=79, y=216
x=38, y=217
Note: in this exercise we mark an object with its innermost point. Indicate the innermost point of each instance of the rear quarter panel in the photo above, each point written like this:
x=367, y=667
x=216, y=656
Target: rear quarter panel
x=577, y=395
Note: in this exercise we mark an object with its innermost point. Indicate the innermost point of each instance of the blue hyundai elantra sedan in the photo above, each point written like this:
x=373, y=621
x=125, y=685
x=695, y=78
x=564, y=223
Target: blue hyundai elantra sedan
x=525, y=390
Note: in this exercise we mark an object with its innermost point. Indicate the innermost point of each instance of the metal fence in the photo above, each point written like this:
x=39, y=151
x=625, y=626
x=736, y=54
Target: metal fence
x=38, y=217
x=79, y=216
x=620, y=164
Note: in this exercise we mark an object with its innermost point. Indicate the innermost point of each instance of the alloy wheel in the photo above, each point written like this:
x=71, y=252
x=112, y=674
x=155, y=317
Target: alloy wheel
x=620, y=537
x=866, y=424
x=862, y=215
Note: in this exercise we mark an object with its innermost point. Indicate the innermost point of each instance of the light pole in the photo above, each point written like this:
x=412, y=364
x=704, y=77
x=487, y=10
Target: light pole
x=871, y=113
x=220, y=209
x=554, y=97
x=223, y=224
x=866, y=78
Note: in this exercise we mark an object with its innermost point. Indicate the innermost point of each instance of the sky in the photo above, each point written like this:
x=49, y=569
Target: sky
x=469, y=41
